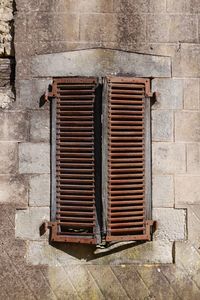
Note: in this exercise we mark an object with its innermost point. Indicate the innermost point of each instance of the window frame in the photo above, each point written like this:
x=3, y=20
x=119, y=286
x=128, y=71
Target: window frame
x=103, y=116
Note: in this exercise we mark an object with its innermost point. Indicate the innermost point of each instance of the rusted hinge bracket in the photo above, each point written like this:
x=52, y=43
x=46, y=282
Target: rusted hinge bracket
x=50, y=93
x=151, y=225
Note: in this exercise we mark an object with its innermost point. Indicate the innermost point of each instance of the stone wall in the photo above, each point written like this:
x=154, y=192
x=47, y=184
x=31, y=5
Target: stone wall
x=153, y=27
x=6, y=53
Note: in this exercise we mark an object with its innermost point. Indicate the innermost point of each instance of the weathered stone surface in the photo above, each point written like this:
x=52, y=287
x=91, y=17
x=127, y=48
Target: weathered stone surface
x=28, y=222
x=162, y=125
x=34, y=158
x=169, y=158
x=40, y=126
x=13, y=189
x=191, y=93
x=14, y=126
x=158, y=28
x=170, y=93
x=8, y=157
x=83, y=6
x=157, y=6
x=65, y=255
x=6, y=98
x=100, y=62
x=186, y=62
x=193, y=224
x=64, y=27
x=104, y=27
x=39, y=190
x=172, y=28
x=155, y=280
x=183, y=28
x=180, y=6
x=6, y=17
x=130, y=28
x=30, y=93
x=171, y=224
x=193, y=158
x=187, y=126
x=163, y=191
x=140, y=6
x=187, y=190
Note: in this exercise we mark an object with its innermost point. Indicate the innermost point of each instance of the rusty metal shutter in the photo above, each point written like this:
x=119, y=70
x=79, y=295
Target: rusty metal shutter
x=127, y=164
x=73, y=211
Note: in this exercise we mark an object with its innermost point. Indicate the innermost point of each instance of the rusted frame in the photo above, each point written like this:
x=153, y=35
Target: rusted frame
x=56, y=237
x=55, y=234
x=53, y=159
x=148, y=161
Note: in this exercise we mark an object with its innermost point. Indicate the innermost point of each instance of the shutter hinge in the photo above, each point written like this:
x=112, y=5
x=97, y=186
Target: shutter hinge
x=50, y=93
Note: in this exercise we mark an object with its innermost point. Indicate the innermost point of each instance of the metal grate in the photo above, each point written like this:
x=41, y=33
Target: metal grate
x=126, y=218
x=75, y=155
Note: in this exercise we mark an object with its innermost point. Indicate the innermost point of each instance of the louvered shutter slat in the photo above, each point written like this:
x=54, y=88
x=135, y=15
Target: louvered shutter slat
x=126, y=180
x=75, y=213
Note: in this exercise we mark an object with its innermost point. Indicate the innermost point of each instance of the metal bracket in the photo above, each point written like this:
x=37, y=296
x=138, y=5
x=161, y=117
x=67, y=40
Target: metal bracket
x=51, y=92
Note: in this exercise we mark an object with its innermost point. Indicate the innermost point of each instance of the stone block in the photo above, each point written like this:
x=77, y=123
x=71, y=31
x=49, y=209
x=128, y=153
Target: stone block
x=193, y=158
x=28, y=222
x=162, y=125
x=186, y=62
x=131, y=28
x=8, y=157
x=187, y=190
x=157, y=6
x=193, y=224
x=194, y=6
x=34, y=158
x=6, y=98
x=158, y=28
x=98, y=27
x=181, y=6
x=13, y=189
x=39, y=190
x=171, y=224
x=39, y=87
x=169, y=158
x=183, y=28
x=40, y=126
x=170, y=93
x=187, y=126
x=30, y=93
x=24, y=5
x=14, y=126
x=172, y=28
x=191, y=93
x=101, y=62
x=132, y=7
x=64, y=27
x=81, y=6
x=65, y=255
x=163, y=191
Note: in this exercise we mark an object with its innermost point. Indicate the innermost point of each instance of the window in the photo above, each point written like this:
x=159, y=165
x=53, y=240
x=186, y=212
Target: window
x=100, y=159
